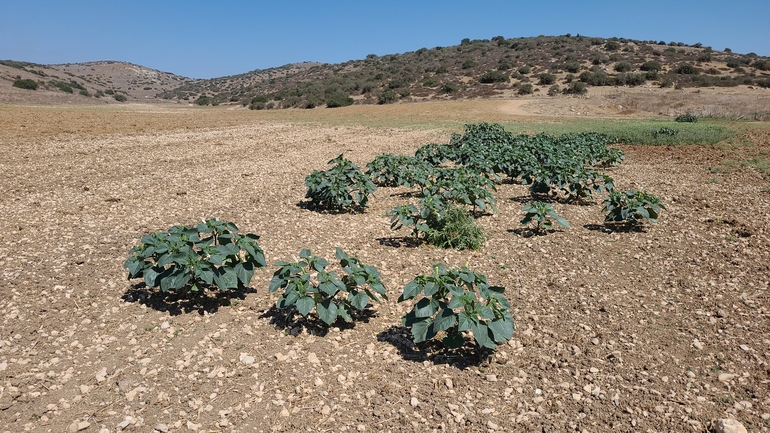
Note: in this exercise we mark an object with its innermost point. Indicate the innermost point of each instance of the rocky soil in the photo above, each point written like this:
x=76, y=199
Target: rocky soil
x=662, y=330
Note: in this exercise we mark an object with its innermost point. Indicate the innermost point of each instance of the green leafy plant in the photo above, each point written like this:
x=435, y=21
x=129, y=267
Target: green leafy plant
x=399, y=170
x=307, y=285
x=457, y=229
x=543, y=215
x=189, y=259
x=689, y=118
x=453, y=302
x=341, y=188
x=25, y=83
x=664, y=132
x=631, y=207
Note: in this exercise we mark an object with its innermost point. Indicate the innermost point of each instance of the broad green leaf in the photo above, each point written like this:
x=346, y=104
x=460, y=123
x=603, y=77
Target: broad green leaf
x=411, y=289
x=244, y=272
x=425, y=308
x=151, y=276
x=420, y=330
x=481, y=335
x=464, y=321
x=430, y=288
x=134, y=266
x=342, y=311
x=502, y=330
x=276, y=283
x=329, y=288
x=359, y=300
x=560, y=220
x=327, y=311
x=444, y=320
x=225, y=278
x=486, y=312
x=304, y=305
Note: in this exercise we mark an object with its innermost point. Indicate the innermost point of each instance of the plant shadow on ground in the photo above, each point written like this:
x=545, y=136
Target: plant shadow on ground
x=309, y=205
x=550, y=199
x=615, y=228
x=526, y=232
x=434, y=351
x=405, y=194
x=176, y=303
x=400, y=241
x=293, y=323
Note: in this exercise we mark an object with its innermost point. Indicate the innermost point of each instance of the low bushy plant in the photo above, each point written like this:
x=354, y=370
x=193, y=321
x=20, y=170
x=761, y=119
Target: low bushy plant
x=449, y=87
x=632, y=208
x=546, y=79
x=341, y=188
x=494, y=77
x=576, y=88
x=399, y=170
x=688, y=118
x=664, y=132
x=456, y=301
x=525, y=89
x=189, y=259
x=25, y=83
x=457, y=229
x=542, y=215
x=307, y=285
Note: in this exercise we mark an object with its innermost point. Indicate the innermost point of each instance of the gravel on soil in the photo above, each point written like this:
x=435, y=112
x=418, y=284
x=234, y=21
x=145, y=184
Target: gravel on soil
x=662, y=330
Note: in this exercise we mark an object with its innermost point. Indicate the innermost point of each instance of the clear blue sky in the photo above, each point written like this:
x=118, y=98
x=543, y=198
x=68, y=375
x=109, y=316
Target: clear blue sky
x=206, y=39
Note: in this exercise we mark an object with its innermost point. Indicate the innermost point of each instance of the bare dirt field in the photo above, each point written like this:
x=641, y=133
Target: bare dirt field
x=662, y=330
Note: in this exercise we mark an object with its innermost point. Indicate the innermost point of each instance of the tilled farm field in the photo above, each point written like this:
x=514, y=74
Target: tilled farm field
x=662, y=330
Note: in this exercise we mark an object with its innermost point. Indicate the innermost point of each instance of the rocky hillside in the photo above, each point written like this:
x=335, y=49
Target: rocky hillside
x=499, y=67
x=92, y=82
x=484, y=69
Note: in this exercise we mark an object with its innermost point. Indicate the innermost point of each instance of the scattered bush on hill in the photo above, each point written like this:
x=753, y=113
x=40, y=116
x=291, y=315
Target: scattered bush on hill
x=25, y=83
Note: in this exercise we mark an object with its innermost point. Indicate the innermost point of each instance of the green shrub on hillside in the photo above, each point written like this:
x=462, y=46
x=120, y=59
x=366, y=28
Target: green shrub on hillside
x=576, y=88
x=120, y=97
x=546, y=79
x=623, y=66
x=388, y=96
x=494, y=77
x=525, y=89
x=25, y=83
x=449, y=87
x=61, y=85
x=686, y=70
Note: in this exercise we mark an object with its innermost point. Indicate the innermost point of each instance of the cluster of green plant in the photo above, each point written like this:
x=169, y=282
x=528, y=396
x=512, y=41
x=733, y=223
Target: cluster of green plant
x=543, y=215
x=341, y=188
x=389, y=170
x=550, y=165
x=210, y=255
x=631, y=208
x=120, y=97
x=493, y=77
x=203, y=100
x=687, y=118
x=456, y=229
x=25, y=83
x=664, y=132
x=306, y=284
x=453, y=302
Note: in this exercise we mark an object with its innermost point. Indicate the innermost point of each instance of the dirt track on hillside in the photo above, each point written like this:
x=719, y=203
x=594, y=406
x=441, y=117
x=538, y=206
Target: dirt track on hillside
x=663, y=330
